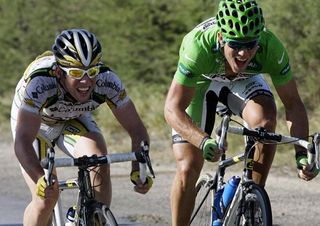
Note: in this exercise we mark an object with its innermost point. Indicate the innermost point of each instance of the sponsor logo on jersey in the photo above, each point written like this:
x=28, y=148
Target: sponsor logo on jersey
x=71, y=107
x=34, y=95
x=285, y=69
x=184, y=70
x=222, y=77
x=112, y=85
x=281, y=58
x=253, y=65
x=206, y=24
x=72, y=129
x=45, y=87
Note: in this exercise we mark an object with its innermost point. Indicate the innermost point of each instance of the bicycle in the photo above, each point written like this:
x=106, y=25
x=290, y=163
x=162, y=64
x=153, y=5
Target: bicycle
x=88, y=211
x=250, y=204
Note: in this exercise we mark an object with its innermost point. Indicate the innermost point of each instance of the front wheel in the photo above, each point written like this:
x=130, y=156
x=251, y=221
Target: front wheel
x=255, y=208
x=101, y=215
x=202, y=213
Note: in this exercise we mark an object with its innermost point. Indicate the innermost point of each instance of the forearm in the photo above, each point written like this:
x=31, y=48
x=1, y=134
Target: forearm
x=183, y=124
x=28, y=159
x=297, y=122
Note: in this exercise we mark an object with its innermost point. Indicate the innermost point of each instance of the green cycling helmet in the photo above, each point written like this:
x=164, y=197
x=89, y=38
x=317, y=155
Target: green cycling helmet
x=240, y=19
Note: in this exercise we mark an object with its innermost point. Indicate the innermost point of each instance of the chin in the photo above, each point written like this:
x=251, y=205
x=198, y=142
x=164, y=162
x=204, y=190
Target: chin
x=83, y=99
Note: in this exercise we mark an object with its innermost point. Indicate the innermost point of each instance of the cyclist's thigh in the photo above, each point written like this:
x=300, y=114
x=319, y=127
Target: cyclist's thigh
x=82, y=136
x=238, y=93
x=258, y=106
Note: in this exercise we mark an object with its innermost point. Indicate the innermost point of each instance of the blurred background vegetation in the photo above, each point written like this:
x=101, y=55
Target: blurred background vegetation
x=140, y=40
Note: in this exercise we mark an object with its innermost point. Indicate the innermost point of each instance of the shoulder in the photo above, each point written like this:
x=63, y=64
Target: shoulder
x=108, y=79
x=202, y=38
x=198, y=46
x=275, y=57
x=41, y=66
x=269, y=42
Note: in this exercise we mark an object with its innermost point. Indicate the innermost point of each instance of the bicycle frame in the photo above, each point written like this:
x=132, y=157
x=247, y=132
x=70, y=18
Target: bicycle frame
x=246, y=182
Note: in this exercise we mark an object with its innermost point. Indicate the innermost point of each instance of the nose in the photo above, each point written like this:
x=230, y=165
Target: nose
x=85, y=78
x=243, y=52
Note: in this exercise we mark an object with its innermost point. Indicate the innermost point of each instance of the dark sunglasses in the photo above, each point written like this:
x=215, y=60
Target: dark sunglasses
x=237, y=45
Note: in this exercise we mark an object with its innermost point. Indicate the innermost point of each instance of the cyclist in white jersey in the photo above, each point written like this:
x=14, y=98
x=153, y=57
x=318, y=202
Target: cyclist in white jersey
x=52, y=106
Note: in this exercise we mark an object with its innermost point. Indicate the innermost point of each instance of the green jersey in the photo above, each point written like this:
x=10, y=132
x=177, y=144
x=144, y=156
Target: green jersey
x=201, y=58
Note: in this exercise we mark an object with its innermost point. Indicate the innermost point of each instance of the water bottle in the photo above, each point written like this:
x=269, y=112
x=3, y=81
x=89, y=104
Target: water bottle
x=216, y=213
x=217, y=222
x=229, y=190
x=70, y=216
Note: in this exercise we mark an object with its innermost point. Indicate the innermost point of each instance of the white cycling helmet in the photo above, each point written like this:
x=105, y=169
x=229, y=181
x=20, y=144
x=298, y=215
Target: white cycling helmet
x=77, y=48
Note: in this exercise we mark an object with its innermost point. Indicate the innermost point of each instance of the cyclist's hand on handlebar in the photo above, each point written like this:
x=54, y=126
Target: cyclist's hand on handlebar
x=210, y=149
x=305, y=171
x=139, y=186
x=42, y=188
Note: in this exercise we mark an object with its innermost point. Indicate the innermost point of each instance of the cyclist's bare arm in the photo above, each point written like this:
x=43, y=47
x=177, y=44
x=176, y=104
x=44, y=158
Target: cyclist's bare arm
x=28, y=125
x=297, y=120
x=296, y=115
x=131, y=122
x=178, y=99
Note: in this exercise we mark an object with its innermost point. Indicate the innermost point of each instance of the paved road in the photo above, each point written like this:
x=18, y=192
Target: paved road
x=294, y=202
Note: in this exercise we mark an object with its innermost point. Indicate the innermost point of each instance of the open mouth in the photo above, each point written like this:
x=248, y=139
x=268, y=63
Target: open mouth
x=83, y=90
x=241, y=62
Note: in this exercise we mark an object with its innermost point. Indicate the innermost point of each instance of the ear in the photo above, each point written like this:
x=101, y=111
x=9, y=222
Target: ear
x=58, y=72
x=220, y=39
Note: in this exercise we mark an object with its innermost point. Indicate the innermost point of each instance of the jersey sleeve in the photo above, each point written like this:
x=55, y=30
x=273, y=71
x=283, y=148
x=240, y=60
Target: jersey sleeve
x=277, y=61
x=111, y=89
x=36, y=93
x=191, y=62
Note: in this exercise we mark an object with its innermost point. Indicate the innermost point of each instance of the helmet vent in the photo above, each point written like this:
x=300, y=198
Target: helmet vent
x=248, y=4
x=251, y=25
x=244, y=19
x=234, y=13
x=257, y=22
x=230, y=23
x=227, y=12
x=245, y=30
x=241, y=8
x=237, y=26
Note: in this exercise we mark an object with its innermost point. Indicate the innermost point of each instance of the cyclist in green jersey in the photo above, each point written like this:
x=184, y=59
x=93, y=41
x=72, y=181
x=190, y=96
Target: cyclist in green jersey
x=223, y=59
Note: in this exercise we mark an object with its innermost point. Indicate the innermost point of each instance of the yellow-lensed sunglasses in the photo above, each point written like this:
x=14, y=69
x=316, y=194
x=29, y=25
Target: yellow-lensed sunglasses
x=78, y=73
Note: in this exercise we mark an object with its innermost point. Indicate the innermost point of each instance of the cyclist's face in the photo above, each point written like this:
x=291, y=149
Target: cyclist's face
x=238, y=59
x=80, y=89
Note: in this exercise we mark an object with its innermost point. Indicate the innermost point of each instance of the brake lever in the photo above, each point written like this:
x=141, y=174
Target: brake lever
x=146, y=157
x=50, y=164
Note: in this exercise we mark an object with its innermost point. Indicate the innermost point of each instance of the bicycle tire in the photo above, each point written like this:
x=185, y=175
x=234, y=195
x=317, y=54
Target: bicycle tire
x=100, y=215
x=202, y=213
x=253, y=209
